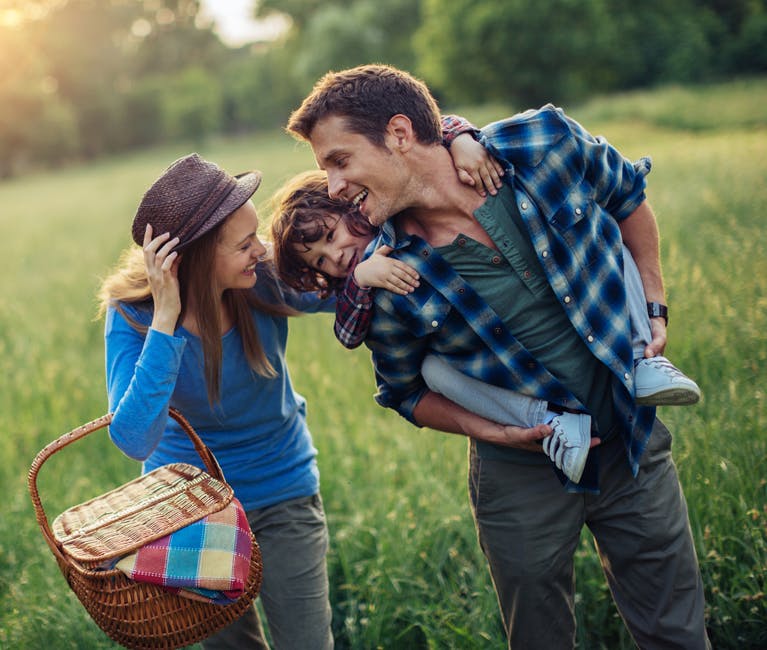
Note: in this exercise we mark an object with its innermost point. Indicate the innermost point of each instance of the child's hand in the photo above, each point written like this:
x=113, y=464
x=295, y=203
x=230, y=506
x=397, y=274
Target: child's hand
x=382, y=272
x=475, y=166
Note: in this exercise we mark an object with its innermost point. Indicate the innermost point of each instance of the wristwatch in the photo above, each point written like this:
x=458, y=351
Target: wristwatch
x=657, y=310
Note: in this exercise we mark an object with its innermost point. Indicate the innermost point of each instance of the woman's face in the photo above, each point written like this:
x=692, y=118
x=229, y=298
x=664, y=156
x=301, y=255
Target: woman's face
x=338, y=251
x=238, y=249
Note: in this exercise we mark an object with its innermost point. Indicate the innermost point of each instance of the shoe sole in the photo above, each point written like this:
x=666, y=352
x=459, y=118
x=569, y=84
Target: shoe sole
x=670, y=397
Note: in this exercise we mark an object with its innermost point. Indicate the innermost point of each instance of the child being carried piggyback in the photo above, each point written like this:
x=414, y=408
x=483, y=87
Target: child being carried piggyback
x=320, y=245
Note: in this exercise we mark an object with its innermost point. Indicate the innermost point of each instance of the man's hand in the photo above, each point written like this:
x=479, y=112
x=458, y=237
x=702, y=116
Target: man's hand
x=658, y=343
x=437, y=412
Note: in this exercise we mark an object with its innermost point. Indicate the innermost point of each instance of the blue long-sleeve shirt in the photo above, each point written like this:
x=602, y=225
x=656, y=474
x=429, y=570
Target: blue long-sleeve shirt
x=257, y=430
x=572, y=189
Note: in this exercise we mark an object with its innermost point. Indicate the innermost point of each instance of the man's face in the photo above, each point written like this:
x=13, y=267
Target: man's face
x=371, y=177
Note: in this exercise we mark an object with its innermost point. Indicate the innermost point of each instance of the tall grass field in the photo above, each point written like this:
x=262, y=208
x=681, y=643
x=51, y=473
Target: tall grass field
x=405, y=567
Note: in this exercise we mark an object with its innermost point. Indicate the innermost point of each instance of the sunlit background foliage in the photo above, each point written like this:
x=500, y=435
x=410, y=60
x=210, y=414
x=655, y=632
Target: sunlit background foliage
x=80, y=78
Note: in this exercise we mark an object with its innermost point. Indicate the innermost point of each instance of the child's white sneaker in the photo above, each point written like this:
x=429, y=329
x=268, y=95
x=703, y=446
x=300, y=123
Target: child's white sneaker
x=568, y=446
x=659, y=382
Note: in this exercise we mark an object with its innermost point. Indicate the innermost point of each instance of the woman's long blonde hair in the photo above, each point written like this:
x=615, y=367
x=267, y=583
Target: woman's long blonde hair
x=129, y=284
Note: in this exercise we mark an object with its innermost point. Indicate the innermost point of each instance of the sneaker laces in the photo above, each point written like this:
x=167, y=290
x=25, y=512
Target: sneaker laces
x=664, y=365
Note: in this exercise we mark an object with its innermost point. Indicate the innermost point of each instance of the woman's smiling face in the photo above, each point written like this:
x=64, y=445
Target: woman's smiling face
x=238, y=249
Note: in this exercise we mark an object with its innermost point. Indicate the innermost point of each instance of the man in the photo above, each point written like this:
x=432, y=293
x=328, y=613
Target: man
x=523, y=290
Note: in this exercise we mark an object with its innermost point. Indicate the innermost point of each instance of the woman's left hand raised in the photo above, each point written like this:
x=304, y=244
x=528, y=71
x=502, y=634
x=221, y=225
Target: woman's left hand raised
x=162, y=271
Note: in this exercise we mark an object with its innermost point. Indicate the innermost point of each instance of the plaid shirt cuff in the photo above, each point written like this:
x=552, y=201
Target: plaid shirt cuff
x=354, y=311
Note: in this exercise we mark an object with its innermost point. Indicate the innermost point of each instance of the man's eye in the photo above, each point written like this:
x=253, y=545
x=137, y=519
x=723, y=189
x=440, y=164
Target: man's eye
x=320, y=262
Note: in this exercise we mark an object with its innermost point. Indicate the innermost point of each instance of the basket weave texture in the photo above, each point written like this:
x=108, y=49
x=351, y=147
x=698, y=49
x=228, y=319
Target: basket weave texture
x=138, y=614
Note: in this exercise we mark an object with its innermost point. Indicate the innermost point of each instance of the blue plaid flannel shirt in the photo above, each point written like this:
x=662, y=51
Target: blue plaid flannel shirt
x=572, y=189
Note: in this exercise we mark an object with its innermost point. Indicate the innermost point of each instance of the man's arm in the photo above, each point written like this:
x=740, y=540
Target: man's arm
x=640, y=234
x=437, y=412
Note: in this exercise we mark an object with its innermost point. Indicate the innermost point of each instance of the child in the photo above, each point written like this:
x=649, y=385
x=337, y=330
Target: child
x=319, y=244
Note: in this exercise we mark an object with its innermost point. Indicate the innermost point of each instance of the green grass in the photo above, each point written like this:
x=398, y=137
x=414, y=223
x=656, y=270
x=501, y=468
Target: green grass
x=405, y=568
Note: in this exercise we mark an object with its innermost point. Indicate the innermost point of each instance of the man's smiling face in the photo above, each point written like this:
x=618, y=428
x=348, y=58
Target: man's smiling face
x=371, y=177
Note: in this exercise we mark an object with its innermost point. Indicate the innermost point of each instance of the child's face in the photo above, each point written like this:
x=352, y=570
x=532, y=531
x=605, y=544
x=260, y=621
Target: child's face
x=338, y=251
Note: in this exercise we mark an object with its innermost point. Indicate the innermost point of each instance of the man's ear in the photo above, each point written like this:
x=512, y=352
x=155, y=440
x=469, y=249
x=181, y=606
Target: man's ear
x=400, y=132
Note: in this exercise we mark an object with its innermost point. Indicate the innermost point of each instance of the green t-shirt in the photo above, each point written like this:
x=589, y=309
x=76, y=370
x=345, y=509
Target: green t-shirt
x=513, y=283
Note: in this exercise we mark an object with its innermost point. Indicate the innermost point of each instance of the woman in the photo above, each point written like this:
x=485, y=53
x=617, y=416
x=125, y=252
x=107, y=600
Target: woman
x=196, y=320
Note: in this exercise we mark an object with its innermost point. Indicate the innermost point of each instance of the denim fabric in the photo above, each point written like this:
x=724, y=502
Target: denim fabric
x=492, y=402
x=641, y=333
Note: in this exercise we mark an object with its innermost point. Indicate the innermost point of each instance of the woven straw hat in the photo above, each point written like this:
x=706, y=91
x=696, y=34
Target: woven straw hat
x=190, y=198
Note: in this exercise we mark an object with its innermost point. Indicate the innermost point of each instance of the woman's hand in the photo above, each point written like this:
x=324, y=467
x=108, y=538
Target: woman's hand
x=385, y=273
x=475, y=166
x=161, y=263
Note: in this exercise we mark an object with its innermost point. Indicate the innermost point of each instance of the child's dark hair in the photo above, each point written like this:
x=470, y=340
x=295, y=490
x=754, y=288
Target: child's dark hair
x=302, y=214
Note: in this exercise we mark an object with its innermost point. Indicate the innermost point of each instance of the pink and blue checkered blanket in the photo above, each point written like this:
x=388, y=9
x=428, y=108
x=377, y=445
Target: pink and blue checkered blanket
x=207, y=560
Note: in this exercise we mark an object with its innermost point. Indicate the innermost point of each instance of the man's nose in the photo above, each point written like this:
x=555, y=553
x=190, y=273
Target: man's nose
x=336, y=186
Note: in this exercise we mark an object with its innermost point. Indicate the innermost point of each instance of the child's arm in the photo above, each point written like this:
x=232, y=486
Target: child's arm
x=475, y=166
x=354, y=306
x=354, y=311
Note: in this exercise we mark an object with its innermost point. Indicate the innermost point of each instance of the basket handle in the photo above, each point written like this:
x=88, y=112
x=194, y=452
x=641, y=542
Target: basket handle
x=211, y=464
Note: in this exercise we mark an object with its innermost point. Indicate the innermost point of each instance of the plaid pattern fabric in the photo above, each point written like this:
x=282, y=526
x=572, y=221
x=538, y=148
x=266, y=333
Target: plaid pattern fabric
x=572, y=189
x=354, y=307
x=208, y=560
x=353, y=313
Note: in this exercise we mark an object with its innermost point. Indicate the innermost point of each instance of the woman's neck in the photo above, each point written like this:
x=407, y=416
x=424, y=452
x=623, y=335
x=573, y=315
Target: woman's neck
x=190, y=321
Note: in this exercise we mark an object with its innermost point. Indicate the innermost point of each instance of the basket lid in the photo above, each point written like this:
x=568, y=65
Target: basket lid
x=147, y=508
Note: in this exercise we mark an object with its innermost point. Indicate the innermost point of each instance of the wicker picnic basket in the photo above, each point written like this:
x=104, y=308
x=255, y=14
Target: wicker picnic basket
x=138, y=614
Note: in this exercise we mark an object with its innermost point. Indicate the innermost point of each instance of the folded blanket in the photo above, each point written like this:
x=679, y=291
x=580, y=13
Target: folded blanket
x=208, y=560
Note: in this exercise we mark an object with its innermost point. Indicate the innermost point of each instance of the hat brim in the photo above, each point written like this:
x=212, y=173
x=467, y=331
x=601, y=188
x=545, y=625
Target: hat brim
x=247, y=184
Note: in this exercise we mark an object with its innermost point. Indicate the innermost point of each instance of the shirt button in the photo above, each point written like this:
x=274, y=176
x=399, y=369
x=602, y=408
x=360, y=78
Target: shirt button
x=545, y=254
x=434, y=323
x=462, y=242
x=527, y=274
x=567, y=300
x=578, y=211
x=425, y=253
x=497, y=331
x=523, y=205
x=496, y=259
x=461, y=290
x=626, y=376
x=590, y=338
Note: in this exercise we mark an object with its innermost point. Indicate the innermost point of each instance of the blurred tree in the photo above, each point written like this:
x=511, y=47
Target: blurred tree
x=659, y=41
x=191, y=104
x=258, y=91
x=84, y=42
x=173, y=38
x=342, y=35
x=337, y=34
x=516, y=51
x=142, y=119
x=80, y=78
x=36, y=124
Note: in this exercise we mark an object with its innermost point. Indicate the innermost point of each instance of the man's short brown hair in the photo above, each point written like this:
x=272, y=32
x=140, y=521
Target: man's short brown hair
x=367, y=97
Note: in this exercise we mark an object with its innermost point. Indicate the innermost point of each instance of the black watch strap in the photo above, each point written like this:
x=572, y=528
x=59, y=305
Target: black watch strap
x=657, y=310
